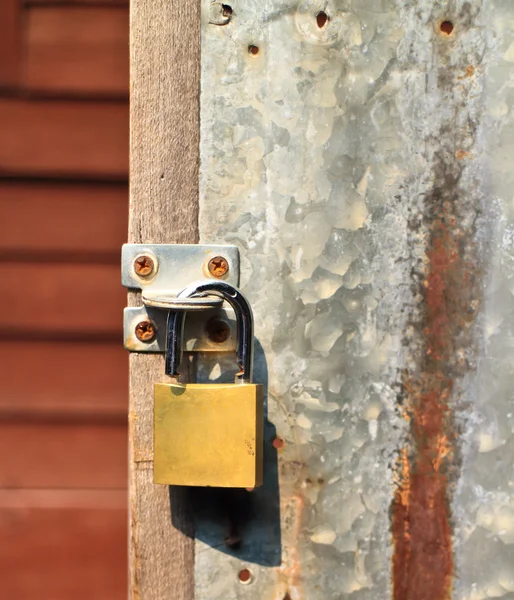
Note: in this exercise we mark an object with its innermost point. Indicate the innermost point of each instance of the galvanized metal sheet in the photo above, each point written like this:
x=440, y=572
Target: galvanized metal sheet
x=359, y=154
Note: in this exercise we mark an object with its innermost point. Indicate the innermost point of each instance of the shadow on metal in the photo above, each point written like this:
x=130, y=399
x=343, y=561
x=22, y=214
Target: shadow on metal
x=244, y=524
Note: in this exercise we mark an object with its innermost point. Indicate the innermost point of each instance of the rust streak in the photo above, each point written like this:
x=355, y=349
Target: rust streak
x=423, y=558
x=423, y=561
x=440, y=343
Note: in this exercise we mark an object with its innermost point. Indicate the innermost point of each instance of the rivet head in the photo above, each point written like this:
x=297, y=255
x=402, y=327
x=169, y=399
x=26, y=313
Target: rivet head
x=218, y=266
x=245, y=576
x=145, y=331
x=144, y=266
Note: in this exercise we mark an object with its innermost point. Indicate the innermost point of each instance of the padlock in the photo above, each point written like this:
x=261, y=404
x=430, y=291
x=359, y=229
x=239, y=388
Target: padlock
x=210, y=434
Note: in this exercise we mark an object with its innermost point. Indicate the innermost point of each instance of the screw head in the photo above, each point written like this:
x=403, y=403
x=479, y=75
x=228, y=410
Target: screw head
x=245, y=576
x=218, y=266
x=218, y=330
x=145, y=331
x=144, y=265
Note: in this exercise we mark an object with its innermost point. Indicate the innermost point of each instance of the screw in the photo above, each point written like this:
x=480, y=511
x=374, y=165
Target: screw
x=278, y=443
x=245, y=576
x=218, y=330
x=144, y=266
x=218, y=266
x=145, y=331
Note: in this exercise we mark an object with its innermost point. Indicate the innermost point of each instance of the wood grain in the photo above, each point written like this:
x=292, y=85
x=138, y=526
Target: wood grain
x=68, y=381
x=63, y=455
x=10, y=43
x=70, y=139
x=80, y=50
x=165, y=75
x=67, y=221
x=55, y=301
x=60, y=544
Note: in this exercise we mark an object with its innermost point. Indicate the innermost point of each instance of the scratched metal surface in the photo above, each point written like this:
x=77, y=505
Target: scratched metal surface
x=363, y=167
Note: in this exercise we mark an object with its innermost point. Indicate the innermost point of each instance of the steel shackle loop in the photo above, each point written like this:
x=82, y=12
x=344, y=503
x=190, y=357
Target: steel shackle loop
x=244, y=317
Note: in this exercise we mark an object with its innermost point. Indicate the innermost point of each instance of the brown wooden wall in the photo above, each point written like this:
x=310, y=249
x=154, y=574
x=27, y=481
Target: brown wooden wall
x=63, y=372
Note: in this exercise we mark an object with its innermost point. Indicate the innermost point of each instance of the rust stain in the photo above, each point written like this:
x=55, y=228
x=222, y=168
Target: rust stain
x=423, y=563
x=293, y=571
x=469, y=72
x=290, y=584
x=293, y=474
x=440, y=342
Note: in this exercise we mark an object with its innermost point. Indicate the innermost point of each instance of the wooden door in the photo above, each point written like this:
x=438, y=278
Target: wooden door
x=63, y=372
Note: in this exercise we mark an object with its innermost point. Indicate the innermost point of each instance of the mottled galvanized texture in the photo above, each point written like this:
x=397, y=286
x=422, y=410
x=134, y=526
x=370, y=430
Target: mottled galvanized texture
x=361, y=164
x=483, y=505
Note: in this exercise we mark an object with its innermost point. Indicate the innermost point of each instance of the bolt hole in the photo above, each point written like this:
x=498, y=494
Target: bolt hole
x=446, y=27
x=226, y=10
x=253, y=50
x=245, y=576
x=278, y=443
x=218, y=330
x=321, y=19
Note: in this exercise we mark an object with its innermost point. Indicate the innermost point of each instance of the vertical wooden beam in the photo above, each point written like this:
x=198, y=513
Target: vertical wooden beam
x=165, y=73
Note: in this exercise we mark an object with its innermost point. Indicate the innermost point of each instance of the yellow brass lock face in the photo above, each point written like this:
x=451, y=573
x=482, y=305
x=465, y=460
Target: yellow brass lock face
x=208, y=434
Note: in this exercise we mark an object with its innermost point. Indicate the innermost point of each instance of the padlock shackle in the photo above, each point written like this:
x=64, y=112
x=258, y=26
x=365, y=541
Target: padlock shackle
x=244, y=316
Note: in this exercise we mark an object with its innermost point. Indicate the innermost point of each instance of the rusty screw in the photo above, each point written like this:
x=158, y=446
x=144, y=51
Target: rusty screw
x=218, y=266
x=245, y=576
x=218, y=330
x=145, y=331
x=144, y=266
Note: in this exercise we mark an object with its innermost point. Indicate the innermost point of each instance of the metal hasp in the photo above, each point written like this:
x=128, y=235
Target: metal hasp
x=161, y=272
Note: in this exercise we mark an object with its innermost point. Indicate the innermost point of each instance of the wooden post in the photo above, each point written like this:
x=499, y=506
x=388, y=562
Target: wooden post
x=165, y=71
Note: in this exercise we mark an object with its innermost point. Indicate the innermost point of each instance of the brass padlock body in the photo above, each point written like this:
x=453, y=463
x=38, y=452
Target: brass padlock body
x=208, y=434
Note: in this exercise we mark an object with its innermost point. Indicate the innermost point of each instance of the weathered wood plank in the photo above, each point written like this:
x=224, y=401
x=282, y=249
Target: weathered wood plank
x=165, y=68
x=80, y=50
x=64, y=220
x=10, y=42
x=63, y=456
x=69, y=380
x=54, y=300
x=70, y=139
x=75, y=2
x=63, y=544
